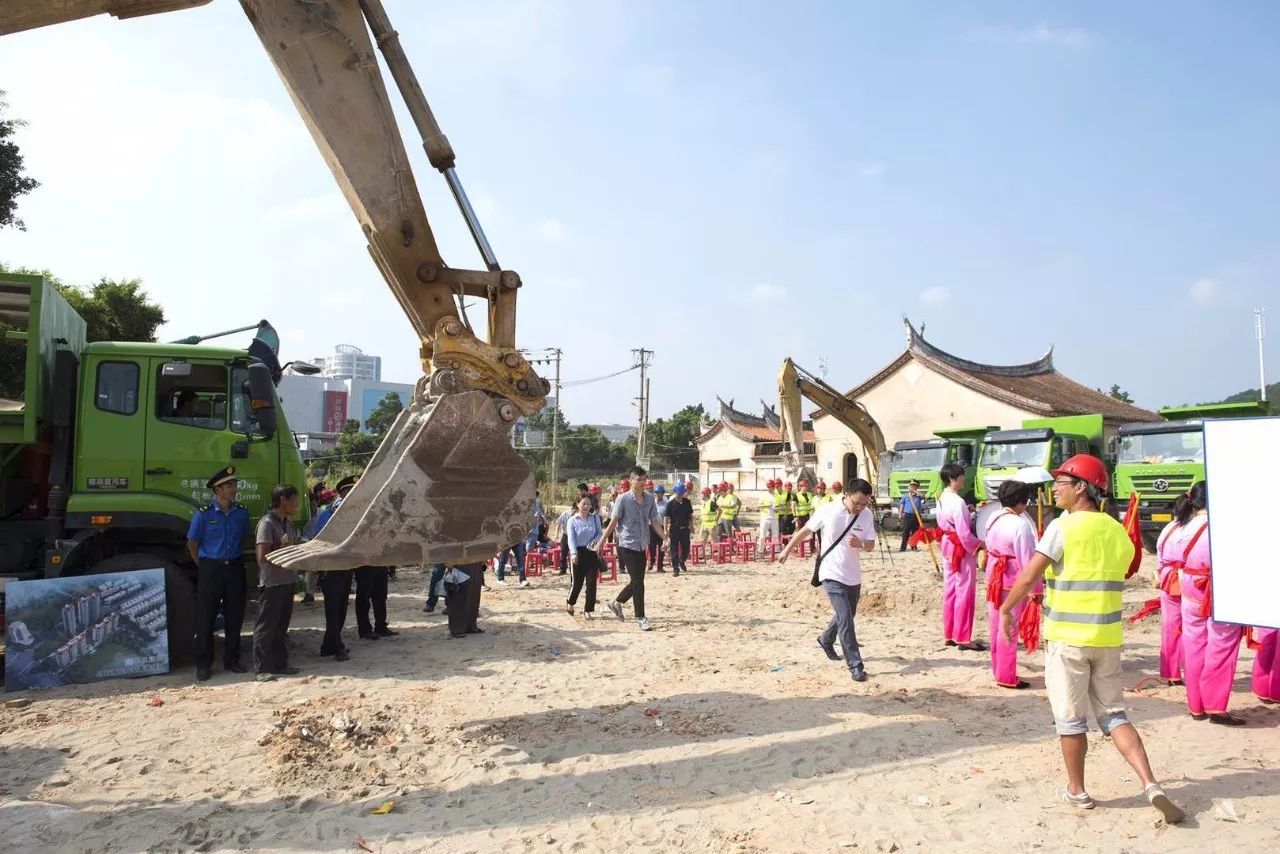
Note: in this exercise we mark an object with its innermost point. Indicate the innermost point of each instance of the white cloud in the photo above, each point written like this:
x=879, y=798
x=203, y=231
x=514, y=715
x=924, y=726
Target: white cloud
x=551, y=230
x=1040, y=34
x=766, y=292
x=873, y=169
x=935, y=295
x=1204, y=290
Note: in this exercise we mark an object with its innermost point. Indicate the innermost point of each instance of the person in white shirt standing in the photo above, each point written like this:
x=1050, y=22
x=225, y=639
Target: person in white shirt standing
x=840, y=568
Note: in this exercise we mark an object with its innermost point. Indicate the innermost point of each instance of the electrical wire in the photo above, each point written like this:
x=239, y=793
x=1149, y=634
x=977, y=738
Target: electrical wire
x=571, y=383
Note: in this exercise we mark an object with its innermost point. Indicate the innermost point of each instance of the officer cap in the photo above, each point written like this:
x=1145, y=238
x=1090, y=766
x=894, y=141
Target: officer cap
x=221, y=476
x=346, y=483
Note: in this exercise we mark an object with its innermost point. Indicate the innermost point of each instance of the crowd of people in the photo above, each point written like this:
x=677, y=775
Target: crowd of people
x=1061, y=583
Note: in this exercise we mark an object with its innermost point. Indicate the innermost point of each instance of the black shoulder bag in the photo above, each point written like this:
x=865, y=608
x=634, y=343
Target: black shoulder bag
x=817, y=564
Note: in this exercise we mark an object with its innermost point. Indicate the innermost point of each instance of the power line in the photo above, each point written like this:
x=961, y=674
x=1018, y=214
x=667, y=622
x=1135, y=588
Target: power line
x=568, y=383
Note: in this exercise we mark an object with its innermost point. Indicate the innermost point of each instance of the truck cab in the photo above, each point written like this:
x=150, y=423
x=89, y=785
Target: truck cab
x=1043, y=442
x=1161, y=460
x=921, y=459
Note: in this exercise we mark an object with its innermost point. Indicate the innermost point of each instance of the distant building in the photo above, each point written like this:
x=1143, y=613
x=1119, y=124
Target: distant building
x=19, y=634
x=349, y=363
x=746, y=450
x=317, y=408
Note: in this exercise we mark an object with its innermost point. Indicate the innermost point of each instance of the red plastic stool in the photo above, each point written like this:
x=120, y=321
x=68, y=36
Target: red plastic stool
x=747, y=551
x=610, y=561
x=722, y=551
x=533, y=563
x=697, y=552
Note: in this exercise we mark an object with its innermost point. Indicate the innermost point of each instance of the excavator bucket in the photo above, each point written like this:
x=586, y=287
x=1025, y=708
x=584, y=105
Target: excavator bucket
x=445, y=485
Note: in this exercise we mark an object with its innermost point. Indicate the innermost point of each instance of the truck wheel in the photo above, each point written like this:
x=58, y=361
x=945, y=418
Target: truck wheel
x=1149, y=542
x=180, y=599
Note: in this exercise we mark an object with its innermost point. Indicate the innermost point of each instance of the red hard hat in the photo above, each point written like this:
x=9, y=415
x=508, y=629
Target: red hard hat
x=1086, y=467
x=820, y=485
x=706, y=490
x=594, y=488
x=648, y=484
x=804, y=482
x=787, y=485
x=624, y=485
x=835, y=484
x=729, y=486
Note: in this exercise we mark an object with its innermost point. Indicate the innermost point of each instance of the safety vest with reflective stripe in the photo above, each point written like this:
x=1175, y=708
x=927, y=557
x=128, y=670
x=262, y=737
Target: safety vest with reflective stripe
x=729, y=504
x=804, y=503
x=779, y=502
x=1083, y=592
x=708, y=511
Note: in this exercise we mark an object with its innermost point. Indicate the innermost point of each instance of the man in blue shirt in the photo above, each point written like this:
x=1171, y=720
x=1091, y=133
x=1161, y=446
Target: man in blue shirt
x=215, y=542
x=635, y=521
x=656, y=556
x=911, y=508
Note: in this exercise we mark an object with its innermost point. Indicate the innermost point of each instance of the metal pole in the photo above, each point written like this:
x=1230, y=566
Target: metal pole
x=1260, y=327
x=555, y=430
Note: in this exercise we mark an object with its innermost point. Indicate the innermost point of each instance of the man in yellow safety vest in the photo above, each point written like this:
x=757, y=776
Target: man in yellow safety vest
x=1083, y=558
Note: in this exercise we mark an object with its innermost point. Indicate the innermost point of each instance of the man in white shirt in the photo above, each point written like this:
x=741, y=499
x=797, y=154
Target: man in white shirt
x=840, y=571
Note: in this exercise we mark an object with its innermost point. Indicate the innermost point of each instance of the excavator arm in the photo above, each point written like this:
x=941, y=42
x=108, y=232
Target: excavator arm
x=795, y=383
x=445, y=485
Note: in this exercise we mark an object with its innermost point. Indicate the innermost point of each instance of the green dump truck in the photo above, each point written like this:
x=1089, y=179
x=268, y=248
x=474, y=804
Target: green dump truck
x=1160, y=460
x=920, y=459
x=1043, y=442
x=106, y=447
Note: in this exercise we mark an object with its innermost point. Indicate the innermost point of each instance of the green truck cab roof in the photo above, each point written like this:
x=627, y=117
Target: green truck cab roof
x=975, y=433
x=917, y=444
x=141, y=349
x=1216, y=410
x=1148, y=428
x=1035, y=434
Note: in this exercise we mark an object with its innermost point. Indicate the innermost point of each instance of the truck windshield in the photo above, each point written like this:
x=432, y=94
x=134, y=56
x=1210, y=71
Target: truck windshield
x=1160, y=448
x=919, y=459
x=1015, y=454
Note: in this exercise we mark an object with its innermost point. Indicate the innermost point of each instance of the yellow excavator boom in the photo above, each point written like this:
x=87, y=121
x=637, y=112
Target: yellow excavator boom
x=795, y=384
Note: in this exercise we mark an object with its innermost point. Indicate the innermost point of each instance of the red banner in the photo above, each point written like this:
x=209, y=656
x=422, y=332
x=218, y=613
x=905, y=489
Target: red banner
x=335, y=411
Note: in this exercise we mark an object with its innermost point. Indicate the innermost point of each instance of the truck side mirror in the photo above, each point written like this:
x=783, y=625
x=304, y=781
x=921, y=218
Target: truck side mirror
x=262, y=398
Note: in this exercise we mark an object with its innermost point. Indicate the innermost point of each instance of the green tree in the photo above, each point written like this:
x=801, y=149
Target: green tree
x=672, y=439
x=384, y=414
x=1119, y=393
x=13, y=183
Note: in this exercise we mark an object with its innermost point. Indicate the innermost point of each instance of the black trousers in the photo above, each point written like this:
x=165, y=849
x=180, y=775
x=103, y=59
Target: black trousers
x=786, y=524
x=909, y=527
x=473, y=603
x=656, y=555
x=457, y=598
x=336, y=587
x=564, y=553
x=219, y=585
x=634, y=562
x=679, y=550
x=585, y=571
x=271, y=631
x=371, y=589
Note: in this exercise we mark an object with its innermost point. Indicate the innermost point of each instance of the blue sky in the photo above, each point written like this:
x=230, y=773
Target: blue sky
x=725, y=183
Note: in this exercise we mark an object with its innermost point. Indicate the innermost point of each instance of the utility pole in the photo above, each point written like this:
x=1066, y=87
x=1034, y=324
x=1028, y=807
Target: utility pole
x=1260, y=327
x=642, y=444
x=555, y=428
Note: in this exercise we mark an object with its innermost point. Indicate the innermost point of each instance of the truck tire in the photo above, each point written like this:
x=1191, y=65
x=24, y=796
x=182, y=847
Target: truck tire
x=1149, y=542
x=179, y=594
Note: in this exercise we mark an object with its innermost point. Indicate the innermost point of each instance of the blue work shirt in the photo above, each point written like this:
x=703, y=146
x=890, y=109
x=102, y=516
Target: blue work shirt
x=583, y=533
x=908, y=501
x=325, y=515
x=635, y=518
x=220, y=535
x=661, y=507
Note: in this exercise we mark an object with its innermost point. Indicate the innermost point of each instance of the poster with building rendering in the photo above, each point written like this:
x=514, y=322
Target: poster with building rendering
x=67, y=631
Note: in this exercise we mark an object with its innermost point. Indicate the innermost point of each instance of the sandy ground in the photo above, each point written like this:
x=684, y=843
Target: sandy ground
x=724, y=729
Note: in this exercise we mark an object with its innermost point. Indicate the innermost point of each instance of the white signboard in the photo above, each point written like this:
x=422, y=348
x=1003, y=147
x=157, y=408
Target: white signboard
x=1241, y=456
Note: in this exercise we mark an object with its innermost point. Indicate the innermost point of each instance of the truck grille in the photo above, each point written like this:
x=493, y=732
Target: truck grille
x=993, y=485
x=1146, y=484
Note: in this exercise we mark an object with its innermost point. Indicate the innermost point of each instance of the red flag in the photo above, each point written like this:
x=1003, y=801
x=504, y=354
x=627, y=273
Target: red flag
x=1133, y=528
x=1151, y=606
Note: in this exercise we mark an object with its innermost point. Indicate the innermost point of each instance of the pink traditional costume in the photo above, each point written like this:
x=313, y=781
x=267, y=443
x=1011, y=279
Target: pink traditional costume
x=1011, y=543
x=1168, y=580
x=1209, y=649
x=960, y=555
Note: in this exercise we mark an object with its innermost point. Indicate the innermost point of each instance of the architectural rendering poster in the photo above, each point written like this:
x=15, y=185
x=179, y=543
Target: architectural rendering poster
x=65, y=631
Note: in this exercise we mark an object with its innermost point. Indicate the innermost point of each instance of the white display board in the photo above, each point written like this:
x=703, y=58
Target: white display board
x=1241, y=458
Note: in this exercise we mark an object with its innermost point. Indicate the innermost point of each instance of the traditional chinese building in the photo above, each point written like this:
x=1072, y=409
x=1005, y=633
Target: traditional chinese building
x=746, y=449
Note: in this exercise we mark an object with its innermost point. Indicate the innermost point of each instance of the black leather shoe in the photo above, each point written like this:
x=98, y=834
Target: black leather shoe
x=203, y=674
x=860, y=675
x=370, y=636
x=342, y=654
x=386, y=632
x=829, y=649
x=235, y=667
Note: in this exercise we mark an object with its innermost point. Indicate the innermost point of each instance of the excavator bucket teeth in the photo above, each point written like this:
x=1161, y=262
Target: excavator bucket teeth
x=445, y=485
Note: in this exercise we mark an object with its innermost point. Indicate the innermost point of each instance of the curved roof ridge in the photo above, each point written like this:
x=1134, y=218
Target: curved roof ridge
x=918, y=345
x=728, y=413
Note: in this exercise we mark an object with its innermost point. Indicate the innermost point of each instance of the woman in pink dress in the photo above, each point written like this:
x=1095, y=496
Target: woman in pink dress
x=1209, y=649
x=1011, y=543
x=1168, y=579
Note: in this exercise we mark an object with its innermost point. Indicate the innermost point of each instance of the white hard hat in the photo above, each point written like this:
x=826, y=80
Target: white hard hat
x=1033, y=474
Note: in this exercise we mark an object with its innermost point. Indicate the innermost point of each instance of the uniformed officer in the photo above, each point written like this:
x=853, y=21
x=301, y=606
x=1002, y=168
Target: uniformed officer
x=335, y=584
x=215, y=541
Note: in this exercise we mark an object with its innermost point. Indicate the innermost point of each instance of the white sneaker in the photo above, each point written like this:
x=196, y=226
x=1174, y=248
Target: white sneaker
x=1156, y=796
x=524, y=584
x=644, y=626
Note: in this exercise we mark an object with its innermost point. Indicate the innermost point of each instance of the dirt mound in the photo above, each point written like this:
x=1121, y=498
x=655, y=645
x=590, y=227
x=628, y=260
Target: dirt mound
x=336, y=744
x=625, y=721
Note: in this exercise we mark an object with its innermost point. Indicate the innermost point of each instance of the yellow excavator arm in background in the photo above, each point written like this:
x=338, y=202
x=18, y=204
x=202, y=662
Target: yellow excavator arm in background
x=795, y=383
x=445, y=485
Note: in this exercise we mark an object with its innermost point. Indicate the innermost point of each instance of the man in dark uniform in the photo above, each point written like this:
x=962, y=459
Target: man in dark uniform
x=215, y=541
x=335, y=585
x=371, y=589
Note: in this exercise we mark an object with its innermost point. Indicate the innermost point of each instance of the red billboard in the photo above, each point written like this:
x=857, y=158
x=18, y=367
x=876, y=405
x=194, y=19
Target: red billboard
x=335, y=411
